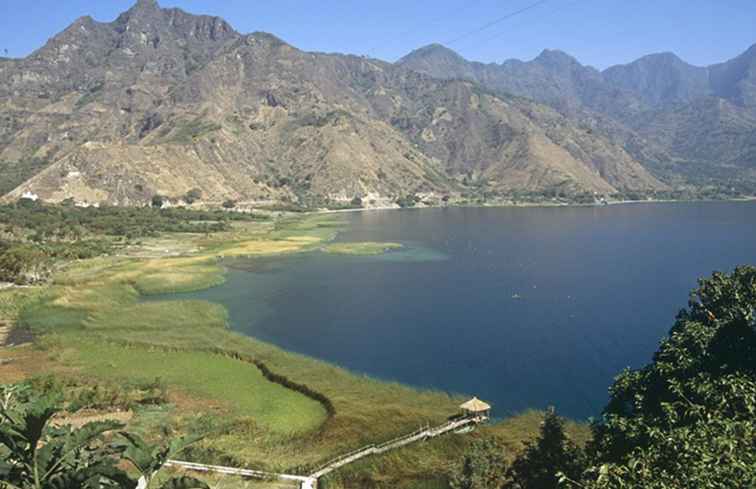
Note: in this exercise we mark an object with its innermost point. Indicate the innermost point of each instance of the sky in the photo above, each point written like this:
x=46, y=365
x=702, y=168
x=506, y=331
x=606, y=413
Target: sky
x=599, y=33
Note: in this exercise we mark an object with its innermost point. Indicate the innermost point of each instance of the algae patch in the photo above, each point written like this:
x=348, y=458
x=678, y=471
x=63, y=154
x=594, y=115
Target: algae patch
x=364, y=248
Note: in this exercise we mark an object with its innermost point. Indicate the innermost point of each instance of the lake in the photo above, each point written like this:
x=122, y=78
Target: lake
x=523, y=307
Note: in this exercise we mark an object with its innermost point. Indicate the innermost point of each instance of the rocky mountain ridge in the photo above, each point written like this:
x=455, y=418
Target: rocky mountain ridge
x=689, y=120
x=161, y=102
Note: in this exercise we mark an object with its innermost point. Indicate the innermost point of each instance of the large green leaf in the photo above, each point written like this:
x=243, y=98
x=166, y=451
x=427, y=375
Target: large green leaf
x=63, y=449
x=146, y=458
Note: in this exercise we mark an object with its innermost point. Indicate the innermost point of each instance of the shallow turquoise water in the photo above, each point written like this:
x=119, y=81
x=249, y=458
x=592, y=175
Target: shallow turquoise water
x=523, y=307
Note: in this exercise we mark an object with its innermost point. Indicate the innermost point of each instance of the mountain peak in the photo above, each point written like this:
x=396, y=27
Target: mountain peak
x=555, y=56
x=145, y=5
x=666, y=58
x=142, y=9
x=432, y=50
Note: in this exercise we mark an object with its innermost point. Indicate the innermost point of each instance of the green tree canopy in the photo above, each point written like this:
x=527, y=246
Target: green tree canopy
x=552, y=453
x=688, y=419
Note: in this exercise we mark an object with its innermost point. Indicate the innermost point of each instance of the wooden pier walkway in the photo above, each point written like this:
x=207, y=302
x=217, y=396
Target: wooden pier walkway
x=311, y=481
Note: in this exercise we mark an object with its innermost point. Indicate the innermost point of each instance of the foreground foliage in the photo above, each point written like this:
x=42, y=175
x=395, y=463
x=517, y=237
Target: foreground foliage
x=38, y=454
x=689, y=418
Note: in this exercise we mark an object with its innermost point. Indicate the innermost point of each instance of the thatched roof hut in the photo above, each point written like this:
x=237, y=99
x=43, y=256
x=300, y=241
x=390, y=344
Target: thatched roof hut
x=475, y=407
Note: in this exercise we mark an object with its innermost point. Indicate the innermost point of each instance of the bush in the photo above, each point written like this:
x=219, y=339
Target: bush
x=24, y=264
x=158, y=201
x=407, y=201
x=193, y=196
x=482, y=467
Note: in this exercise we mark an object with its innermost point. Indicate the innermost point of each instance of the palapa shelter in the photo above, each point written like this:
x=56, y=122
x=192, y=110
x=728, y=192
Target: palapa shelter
x=476, y=407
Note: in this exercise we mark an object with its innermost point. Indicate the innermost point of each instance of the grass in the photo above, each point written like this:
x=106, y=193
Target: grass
x=13, y=300
x=426, y=465
x=242, y=388
x=365, y=248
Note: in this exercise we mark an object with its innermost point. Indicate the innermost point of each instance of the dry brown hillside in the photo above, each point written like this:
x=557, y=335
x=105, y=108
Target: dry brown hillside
x=160, y=102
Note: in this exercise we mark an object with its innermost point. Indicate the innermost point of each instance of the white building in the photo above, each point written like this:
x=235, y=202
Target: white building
x=30, y=196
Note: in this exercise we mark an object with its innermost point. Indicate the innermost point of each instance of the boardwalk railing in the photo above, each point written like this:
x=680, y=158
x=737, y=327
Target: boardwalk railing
x=420, y=434
x=311, y=481
x=255, y=474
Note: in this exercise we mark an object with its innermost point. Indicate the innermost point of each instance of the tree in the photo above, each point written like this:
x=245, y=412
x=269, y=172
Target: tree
x=407, y=201
x=24, y=264
x=688, y=419
x=158, y=201
x=539, y=466
x=482, y=467
x=35, y=454
x=356, y=202
x=193, y=196
x=229, y=204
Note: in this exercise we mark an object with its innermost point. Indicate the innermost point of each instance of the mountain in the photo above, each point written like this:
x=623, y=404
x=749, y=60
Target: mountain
x=160, y=101
x=660, y=79
x=554, y=78
x=735, y=80
x=678, y=120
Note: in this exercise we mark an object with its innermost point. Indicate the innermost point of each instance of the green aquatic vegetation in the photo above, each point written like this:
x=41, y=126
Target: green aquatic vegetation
x=364, y=248
x=92, y=319
x=242, y=388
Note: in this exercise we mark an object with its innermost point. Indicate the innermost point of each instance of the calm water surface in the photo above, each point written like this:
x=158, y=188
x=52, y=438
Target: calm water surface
x=524, y=307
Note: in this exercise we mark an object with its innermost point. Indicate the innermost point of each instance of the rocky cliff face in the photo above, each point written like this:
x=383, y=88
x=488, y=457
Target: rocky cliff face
x=161, y=101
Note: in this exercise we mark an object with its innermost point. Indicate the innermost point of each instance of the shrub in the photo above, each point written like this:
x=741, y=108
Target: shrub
x=158, y=201
x=193, y=196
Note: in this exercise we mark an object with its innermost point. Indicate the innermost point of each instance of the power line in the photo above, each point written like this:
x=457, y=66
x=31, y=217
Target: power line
x=467, y=5
x=500, y=34
x=497, y=21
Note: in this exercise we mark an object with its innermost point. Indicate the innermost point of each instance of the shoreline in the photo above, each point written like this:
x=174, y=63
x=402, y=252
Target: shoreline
x=523, y=205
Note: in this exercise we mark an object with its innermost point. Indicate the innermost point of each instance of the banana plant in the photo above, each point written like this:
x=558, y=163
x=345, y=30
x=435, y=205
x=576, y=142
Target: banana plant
x=35, y=454
x=148, y=459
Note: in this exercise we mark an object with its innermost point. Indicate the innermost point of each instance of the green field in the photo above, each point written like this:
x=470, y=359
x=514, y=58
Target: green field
x=243, y=389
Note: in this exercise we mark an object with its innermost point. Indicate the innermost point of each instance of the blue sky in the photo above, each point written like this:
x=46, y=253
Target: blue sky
x=597, y=32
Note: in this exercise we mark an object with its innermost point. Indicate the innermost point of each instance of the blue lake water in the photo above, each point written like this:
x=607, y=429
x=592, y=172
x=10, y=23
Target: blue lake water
x=523, y=307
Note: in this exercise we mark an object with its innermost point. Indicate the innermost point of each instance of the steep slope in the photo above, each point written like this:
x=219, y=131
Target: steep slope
x=735, y=80
x=554, y=78
x=661, y=79
x=160, y=101
x=669, y=115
